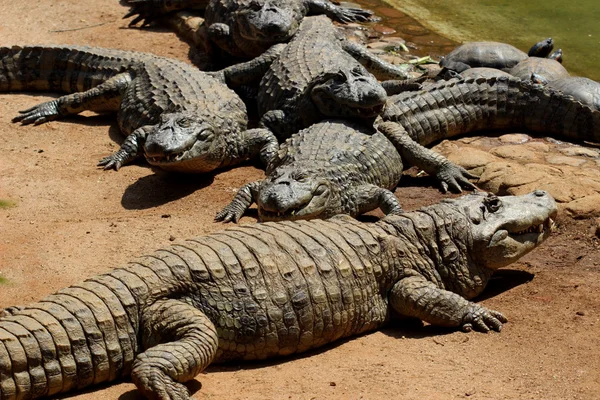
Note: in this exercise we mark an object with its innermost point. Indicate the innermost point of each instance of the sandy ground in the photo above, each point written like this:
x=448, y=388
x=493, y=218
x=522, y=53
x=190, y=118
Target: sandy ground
x=72, y=220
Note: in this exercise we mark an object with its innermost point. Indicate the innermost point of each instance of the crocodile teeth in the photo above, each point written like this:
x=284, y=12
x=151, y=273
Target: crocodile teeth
x=541, y=228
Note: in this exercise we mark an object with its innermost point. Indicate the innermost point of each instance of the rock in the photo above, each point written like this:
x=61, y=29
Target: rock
x=558, y=159
x=471, y=158
x=586, y=207
x=579, y=151
x=384, y=30
x=515, y=138
x=514, y=152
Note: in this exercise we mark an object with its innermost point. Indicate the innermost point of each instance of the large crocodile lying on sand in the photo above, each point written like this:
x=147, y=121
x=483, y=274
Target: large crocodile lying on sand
x=335, y=167
x=244, y=28
x=178, y=117
x=265, y=290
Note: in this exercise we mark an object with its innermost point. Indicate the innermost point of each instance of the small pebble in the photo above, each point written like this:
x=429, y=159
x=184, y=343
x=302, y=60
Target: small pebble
x=580, y=313
x=332, y=384
x=171, y=238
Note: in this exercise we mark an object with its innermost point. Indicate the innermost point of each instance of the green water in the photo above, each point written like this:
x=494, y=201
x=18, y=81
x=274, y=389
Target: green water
x=574, y=25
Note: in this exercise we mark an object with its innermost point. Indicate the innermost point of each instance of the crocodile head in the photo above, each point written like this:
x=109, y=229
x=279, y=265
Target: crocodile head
x=503, y=229
x=184, y=142
x=350, y=92
x=291, y=194
x=271, y=21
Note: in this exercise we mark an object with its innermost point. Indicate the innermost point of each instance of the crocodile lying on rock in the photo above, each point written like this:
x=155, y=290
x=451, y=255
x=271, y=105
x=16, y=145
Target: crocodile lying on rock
x=266, y=290
x=334, y=167
x=177, y=116
x=317, y=75
x=461, y=106
x=246, y=28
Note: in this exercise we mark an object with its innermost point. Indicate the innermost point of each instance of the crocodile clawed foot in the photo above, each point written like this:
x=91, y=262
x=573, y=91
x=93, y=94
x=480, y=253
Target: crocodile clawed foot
x=455, y=178
x=348, y=15
x=143, y=11
x=229, y=214
x=482, y=319
x=38, y=114
x=114, y=161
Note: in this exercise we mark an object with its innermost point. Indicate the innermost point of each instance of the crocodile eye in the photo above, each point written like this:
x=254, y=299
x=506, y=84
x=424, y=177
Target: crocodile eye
x=492, y=203
x=301, y=177
x=184, y=122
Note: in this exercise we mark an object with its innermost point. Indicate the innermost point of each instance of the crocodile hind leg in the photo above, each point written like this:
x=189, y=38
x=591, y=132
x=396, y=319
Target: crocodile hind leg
x=104, y=97
x=180, y=342
x=446, y=172
x=339, y=13
x=382, y=70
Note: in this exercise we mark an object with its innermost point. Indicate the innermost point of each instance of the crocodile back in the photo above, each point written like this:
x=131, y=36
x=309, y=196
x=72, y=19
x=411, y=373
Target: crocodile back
x=343, y=152
x=313, y=51
x=66, y=69
x=458, y=107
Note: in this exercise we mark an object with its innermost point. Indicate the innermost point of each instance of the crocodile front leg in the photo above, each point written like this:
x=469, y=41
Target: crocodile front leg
x=129, y=151
x=180, y=342
x=252, y=71
x=104, y=97
x=280, y=123
x=396, y=86
x=370, y=197
x=220, y=35
x=244, y=198
x=338, y=13
x=414, y=296
x=258, y=142
x=447, y=173
x=146, y=11
x=382, y=70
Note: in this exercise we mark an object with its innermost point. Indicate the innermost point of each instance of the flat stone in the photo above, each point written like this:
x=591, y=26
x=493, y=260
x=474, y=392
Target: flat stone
x=514, y=152
x=579, y=151
x=538, y=146
x=558, y=159
x=470, y=158
x=515, y=138
x=586, y=207
x=385, y=30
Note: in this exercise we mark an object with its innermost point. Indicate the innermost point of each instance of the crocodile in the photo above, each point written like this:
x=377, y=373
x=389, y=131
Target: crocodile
x=178, y=117
x=334, y=167
x=460, y=106
x=245, y=28
x=267, y=290
x=317, y=75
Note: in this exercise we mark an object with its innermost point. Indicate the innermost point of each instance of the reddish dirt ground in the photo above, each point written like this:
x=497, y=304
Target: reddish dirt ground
x=72, y=220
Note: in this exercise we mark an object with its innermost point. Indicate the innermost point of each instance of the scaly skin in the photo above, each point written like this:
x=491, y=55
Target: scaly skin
x=318, y=75
x=457, y=107
x=266, y=290
x=177, y=116
x=334, y=167
x=246, y=28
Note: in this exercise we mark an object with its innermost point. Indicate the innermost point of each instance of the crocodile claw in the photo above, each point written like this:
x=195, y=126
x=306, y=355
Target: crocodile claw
x=145, y=11
x=482, y=319
x=43, y=112
x=114, y=161
x=455, y=177
x=347, y=15
x=230, y=213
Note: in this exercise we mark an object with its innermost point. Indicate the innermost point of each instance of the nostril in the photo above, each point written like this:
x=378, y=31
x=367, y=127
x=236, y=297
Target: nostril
x=540, y=193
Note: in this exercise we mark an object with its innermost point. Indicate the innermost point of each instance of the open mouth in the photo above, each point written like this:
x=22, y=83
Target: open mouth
x=367, y=112
x=547, y=226
x=169, y=158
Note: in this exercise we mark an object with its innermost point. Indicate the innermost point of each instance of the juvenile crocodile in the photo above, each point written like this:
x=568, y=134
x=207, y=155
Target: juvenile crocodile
x=318, y=74
x=334, y=167
x=266, y=290
x=177, y=116
x=457, y=107
x=247, y=28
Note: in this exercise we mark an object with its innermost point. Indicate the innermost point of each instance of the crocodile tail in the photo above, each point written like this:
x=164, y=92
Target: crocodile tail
x=81, y=335
x=58, y=68
x=461, y=106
